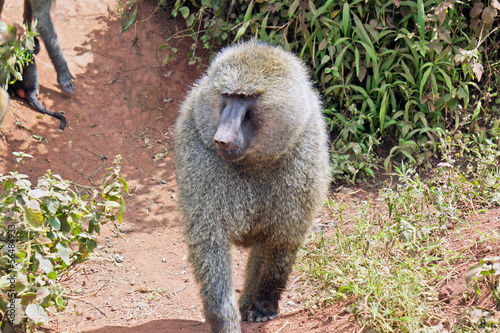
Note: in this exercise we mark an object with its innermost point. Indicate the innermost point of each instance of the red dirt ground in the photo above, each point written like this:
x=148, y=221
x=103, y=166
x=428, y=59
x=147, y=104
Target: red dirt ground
x=125, y=102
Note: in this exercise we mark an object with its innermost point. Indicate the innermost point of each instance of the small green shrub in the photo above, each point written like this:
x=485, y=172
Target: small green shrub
x=16, y=47
x=45, y=231
x=392, y=256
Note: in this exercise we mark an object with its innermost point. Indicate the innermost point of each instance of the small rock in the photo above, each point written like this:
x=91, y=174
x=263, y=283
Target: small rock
x=118, y=258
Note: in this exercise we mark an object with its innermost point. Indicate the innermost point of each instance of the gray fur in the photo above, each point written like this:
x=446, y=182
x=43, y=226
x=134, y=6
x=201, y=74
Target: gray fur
x=4, y=102
x=268, y=199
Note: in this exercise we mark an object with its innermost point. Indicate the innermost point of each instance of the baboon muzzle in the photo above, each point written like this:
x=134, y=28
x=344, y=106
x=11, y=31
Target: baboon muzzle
x=235, y=129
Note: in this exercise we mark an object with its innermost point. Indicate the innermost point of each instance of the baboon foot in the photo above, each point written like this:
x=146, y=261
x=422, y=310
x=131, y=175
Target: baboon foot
x=66, y=83
x=258, y=314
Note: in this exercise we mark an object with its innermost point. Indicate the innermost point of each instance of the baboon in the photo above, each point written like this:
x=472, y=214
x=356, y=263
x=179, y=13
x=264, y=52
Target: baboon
x=4, y=103
x=28, y=87
x=39, y=10
x=252, y=167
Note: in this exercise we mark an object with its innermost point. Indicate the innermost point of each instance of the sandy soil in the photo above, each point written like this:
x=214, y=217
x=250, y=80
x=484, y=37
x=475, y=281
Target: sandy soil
x=125, y=102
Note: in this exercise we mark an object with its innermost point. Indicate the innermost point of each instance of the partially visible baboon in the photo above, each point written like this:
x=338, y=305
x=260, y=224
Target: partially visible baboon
x=4, y=103
x=39, y=10
x=28, y=87
x=252, y=168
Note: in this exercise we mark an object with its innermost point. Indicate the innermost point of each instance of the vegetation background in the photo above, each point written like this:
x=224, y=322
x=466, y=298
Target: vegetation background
x=397, y=77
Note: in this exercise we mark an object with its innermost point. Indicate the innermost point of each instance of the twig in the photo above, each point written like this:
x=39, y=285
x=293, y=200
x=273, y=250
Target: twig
x=95, y=307
x=282, y=327
x=95, y=293
x=103, y=157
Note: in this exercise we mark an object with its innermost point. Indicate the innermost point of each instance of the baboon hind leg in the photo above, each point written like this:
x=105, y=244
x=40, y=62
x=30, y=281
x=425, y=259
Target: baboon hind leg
x=41, y=12
x=267, y=273
x=213, y=270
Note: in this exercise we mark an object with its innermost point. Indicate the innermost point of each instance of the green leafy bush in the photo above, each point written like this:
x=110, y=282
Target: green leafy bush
x=393, y=74
x=392, y=257
x=16, y=46
x=45, y=231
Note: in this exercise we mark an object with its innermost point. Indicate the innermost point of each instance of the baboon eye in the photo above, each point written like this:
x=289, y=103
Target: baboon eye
x=245, y=96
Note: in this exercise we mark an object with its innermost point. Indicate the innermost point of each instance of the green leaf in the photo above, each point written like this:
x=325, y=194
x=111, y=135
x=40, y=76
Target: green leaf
x=241, y=31
x=63, y=253
x=248, y=13
x=54, y=223
x=45, y=264
x=446, y=79
x=360, y=29
x=124, y=183
x=91, y=245
x=34, y=219
x=190, y=20
x=383, y=111
x=434, y=85
x=184, y=12
x=408, y=156
x=321, y=10
x=36, y=313
x=121, y=210
x=477, y=110
x=292, y=8
x=424, y=81
x=369, y=171
x=127, y=24
x=37, y=193
x=346, y=19
x=472, y=272
x=421, y=18
x=408, y=74
x=111, y=205
x=356, y=60
x=53, y=205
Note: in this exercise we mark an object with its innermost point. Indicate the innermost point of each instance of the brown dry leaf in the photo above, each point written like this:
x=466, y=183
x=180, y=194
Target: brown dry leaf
x=441, y=10
x=476, y=10
x=477, y=68
x=489, y=14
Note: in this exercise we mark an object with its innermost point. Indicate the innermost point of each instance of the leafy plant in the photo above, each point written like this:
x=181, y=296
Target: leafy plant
x=486, y=273
x=391, y=257
x=16, y=46
x=45, y=231
x=128, y=12
x=395, y=74
x=489, y=270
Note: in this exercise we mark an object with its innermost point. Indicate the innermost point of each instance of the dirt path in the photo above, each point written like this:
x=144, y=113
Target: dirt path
x=124, y=103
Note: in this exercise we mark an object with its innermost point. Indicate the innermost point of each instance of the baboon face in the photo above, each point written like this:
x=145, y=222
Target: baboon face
x=249, y=96
x=237, y=126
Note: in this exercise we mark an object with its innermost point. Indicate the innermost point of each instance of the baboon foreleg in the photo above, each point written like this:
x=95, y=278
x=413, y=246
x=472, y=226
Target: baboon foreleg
x=213, y=269
x=41, y=13
x=267, y=272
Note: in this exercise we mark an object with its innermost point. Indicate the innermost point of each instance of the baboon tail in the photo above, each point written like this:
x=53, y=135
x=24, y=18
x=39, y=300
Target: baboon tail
x=34, y=101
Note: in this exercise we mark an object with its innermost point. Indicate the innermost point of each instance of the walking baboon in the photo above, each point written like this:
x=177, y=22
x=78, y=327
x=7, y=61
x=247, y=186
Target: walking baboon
x=28, y=87
x=252, y=168
x=39, y=10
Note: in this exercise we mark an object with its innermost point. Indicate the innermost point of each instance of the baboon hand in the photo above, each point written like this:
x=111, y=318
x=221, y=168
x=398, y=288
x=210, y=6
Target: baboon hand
x=67, y=84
